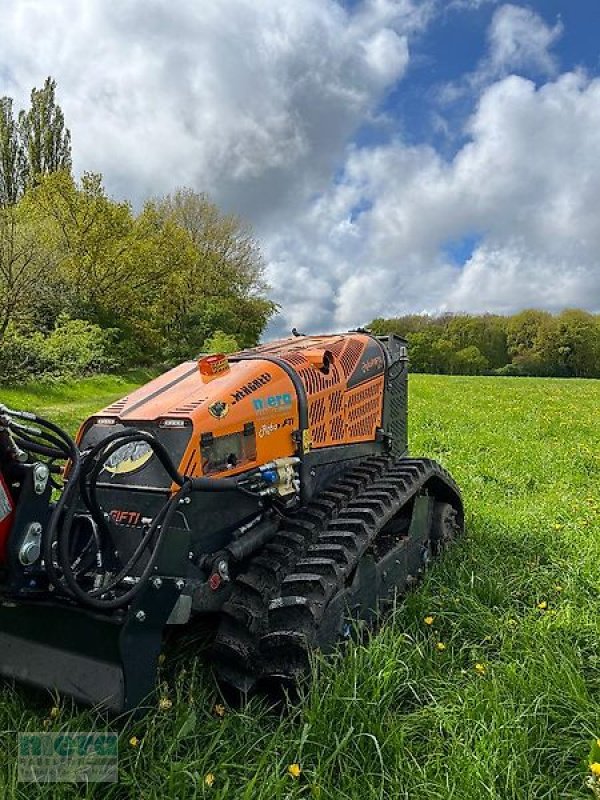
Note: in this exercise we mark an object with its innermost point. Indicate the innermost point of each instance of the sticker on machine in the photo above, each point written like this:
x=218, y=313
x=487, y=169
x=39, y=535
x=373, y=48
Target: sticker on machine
x=5, y=504
x=272, y=402
x=270, y=427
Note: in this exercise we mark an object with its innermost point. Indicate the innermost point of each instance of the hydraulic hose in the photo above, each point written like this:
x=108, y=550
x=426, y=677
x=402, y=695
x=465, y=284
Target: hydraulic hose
x=93, y=598
x=86, y=476
x=51, y=442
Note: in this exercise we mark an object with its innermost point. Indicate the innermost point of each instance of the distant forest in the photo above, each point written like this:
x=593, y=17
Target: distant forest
x=532, y=342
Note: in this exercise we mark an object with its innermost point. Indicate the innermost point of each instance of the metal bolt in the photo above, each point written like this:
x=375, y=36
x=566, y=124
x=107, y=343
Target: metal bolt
x=157, y=582
x=185, y=501
x=31, y=546
x=140, y=616
x=41, y=473
x=179, y=584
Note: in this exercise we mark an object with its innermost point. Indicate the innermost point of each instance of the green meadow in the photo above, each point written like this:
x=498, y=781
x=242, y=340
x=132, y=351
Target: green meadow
x=484, y=684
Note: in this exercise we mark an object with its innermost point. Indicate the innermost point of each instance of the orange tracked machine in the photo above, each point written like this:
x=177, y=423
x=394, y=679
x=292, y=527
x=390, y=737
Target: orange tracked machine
x=272, y=487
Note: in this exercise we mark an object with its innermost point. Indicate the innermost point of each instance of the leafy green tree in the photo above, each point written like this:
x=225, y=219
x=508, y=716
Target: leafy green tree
x=222, y=287
x=45, y=140
x=572, y=344
x=485, y=332
x=221, y=342
x=531, y=342
x=12, y=156
x=524, y=329
x=470, y=361
x=25, y=264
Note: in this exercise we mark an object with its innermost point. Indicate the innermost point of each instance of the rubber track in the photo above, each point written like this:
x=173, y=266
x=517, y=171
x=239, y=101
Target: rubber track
x=295, y=616
x=244, y=617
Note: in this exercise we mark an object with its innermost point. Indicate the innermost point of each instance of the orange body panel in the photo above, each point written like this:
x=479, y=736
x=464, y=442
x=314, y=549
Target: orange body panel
x=344, y=402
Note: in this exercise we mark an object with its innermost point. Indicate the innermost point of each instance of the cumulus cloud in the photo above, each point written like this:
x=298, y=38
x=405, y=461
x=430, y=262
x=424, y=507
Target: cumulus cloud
x=523, y=188
x=521, y=39
x=252, y=102
x=258, y=103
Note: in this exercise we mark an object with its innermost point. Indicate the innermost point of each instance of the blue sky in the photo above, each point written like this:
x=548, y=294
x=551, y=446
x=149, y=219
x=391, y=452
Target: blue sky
x=393, y=156
x=452, y=46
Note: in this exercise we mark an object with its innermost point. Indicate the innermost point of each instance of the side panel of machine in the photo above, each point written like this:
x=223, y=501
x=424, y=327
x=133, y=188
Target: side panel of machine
x=245, y=425
x=396, y=396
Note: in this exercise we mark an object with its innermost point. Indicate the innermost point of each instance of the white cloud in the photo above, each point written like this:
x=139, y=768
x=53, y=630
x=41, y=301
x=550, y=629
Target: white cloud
x=524, y=186
x=520, y=39
x=257, y=103
x=253, y=102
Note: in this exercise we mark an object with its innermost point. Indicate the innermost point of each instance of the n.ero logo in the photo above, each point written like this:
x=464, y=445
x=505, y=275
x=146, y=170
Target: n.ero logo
x=273, y=402
x=250, y=387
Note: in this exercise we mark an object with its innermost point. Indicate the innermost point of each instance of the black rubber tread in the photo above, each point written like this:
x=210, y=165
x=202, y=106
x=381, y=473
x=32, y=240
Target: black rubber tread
x=295, y=616
x=244, y=617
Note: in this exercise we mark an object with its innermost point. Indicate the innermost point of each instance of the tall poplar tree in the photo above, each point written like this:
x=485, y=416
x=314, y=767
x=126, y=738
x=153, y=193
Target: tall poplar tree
x=12, y=156
x=45, y=139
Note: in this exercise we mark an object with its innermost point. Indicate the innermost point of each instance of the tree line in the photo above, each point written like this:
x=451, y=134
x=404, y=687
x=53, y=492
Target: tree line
x=86, y=283
x=532, y=342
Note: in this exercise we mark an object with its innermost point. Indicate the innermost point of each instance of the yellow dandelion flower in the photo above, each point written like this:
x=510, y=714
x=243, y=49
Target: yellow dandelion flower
x=543, y=605
x=429, y=620
x=595, y=768
x=480, y=668
x=219, y=710
x=558, y=588
x=295, y=770
x=134, y=741
x=209, y=779
x=441, y=646
x=165, y=704
x=558, y=526
x=54, y=712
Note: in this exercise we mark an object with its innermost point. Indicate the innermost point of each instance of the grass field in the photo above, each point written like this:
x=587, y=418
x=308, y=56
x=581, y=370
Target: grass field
x=498, y=698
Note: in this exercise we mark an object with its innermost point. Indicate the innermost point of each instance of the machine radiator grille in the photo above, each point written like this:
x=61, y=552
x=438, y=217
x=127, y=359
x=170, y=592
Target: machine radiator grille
x=363, y=411
x=398, y=412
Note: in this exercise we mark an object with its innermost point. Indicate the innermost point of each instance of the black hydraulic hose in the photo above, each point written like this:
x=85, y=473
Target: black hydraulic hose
x=62, y=508
x=117, y=441
x=87, y=475
x=55, y=444
x=249, y=542
x=38, y=449
x=92, y=598
x=32, y=434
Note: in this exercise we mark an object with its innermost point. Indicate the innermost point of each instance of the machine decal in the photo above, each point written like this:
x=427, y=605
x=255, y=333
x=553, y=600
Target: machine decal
x=132, y=519
x=129, y=458
x=219, y=409
x=270, y=427
x=370, y=365
x=374, y=364
x=277, y=402
x=250, y=387
x=5, y=506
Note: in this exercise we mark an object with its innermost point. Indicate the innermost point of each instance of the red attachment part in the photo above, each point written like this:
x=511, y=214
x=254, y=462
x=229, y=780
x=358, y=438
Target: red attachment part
x=7, y=514
x=214, y=581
